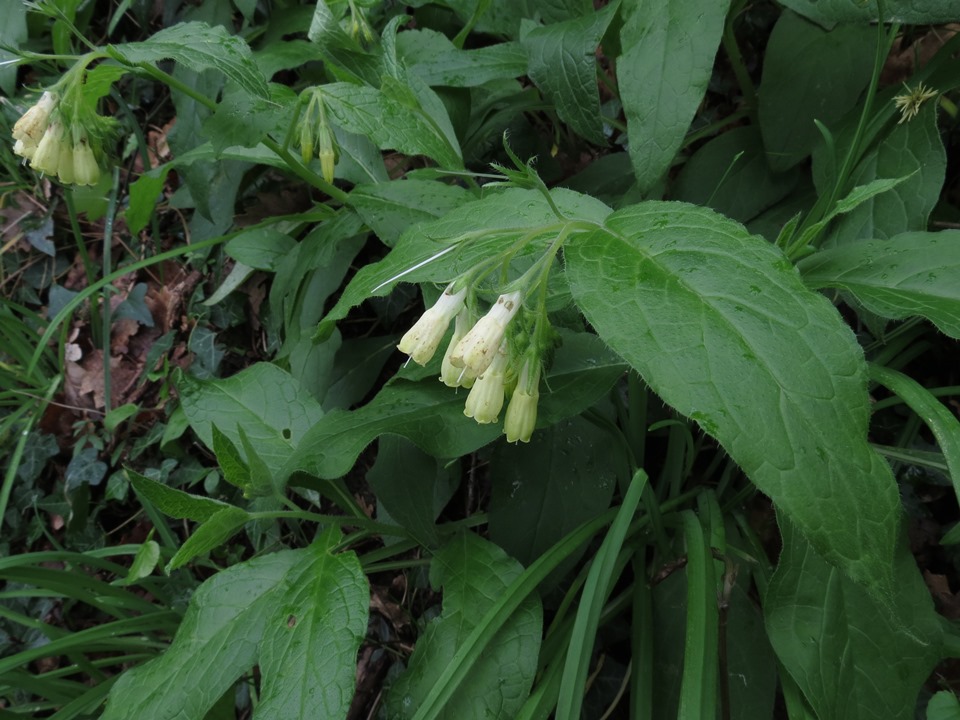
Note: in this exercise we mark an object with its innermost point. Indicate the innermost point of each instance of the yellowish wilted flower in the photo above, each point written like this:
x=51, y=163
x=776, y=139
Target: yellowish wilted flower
x=479, y=346
x=421, y=341
x=486, y=398
x=909, y=103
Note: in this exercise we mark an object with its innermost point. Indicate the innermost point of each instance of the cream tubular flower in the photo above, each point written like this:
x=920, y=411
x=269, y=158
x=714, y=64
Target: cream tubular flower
x=477, y=349
x=86, y=169
x=47, y=157
x=422, y=340
x=521, y=416
x=450, y=374
x=486, y=398
x=33, y=124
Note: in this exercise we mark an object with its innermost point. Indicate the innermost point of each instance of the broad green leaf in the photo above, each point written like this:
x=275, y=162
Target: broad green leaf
x=265, y=400
x=914, y=273
x=430, y=56
x=440, y=251
x=344, y=55
x=211, y=534
x=943, y=706
x=390, y=208
x=199, y=47
x=356, y=368
x=810, y=74
x=563, y=64
x=232, y=465
x=828, y=12
x=431, y=414
x=913, y=151
x=412, y=486
x=392, y=125
x=215, y=644
x=853, y=656
x=173, y=502
x=473, y=573
x=244, y=120
x=261, y=248
x=721, y=327
x=13, y=31
x=144, y=562
x=751, y=664
x=730, y=174
x=308, y=655
x=545, y=489
x=669, y=49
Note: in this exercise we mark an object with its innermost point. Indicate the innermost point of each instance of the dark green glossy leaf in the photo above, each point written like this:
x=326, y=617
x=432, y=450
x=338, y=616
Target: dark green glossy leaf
x=173, y=502
x=828, y=12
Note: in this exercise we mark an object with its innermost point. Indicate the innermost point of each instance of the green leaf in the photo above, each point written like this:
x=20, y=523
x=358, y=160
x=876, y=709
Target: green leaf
x=720, y=326
x=261, y=248
x=215, y=644
x=810, y=74
x=913, y=151
x=474, y=573
x=730, y=174
x=670, y=46
x=308, y=655
x=232, y=466
x=244, y=120
x=511, y=213
x=265, y=400
x=941, y=420
x=117, y=415
x=431, y=414
x=545, y=489
x=828, y=12
x=391, y=124
x=853, y=656
x=13, y=31
x=390, y=208
x=211, y=534
x=563, y=64
x=914, y=273
x=144, y=562
x=943, y=706
x=173, y=502
x=434, y=59
x=199, y=47
x=414, y=497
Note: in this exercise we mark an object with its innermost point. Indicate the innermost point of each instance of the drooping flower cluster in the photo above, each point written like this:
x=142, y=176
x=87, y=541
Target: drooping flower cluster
x=480, y=358
x=55, y=146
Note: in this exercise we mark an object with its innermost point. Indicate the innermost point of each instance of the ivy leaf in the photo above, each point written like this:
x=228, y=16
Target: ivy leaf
x=199, y=47
x=719, y=324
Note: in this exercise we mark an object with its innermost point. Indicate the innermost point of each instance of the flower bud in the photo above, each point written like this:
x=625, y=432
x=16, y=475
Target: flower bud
x=450, y=374
x=477, y=349
x=421, y=341
x=86, y=169
x=46, y=159
x=486, y=398
x=328, y=156
x=521, y=416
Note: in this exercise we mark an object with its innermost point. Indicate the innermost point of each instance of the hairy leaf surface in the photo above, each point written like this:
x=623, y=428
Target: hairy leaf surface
x=719, y=324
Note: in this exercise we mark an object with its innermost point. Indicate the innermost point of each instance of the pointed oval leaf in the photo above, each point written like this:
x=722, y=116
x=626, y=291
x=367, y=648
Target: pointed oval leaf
x=914, y=273
x=719, y=324
x=215, y=644
x=308, y=656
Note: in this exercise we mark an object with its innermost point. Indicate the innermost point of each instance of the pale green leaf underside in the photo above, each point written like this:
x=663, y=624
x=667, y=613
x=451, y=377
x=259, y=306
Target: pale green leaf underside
x=854, y=658
x=474, y=573
x=216, y=643
x=318, y=621
x=199, y=47
x=512, y=213
x=719, y=324
x=915, y=273
x=669, y=49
